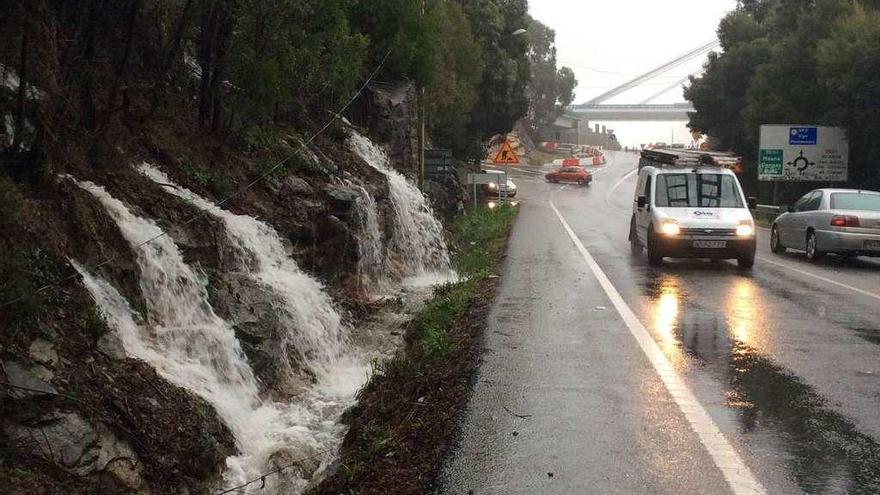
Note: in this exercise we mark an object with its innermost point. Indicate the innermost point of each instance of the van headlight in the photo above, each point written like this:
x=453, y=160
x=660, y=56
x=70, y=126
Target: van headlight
x=492, y=185
x=745, y=229
x=670, y=228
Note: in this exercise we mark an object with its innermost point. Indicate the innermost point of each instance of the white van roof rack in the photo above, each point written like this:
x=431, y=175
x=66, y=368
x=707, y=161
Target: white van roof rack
x=665, y=157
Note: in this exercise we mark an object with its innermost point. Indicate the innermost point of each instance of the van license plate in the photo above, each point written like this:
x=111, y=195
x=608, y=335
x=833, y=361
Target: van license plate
x=710, y=244
x=872, y=245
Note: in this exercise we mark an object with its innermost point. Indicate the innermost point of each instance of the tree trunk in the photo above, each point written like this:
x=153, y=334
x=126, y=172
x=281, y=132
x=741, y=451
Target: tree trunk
x=21, y=105
x=216, y=37
x=122, y=70
x=171, y=54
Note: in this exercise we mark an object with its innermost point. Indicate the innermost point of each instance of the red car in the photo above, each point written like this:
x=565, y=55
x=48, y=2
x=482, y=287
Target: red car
x=570, y=174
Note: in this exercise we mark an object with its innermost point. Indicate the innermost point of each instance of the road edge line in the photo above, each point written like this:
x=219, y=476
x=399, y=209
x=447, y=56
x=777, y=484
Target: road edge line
x=738, y=476
x=820, y=277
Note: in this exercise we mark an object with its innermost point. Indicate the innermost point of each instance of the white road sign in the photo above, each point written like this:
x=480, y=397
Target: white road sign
x=803, y=153
x=484, y=178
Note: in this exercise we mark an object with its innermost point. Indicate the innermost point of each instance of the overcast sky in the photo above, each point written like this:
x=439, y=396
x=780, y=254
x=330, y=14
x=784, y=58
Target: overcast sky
x=608, y=42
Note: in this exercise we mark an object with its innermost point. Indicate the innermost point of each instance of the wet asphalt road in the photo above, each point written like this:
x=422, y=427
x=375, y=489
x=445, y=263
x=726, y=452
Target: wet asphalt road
x=785, y=360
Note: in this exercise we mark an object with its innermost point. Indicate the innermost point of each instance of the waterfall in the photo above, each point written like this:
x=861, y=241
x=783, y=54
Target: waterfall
x=315, y=328
x=188, y=344
x=371, y=248
x=417, y=242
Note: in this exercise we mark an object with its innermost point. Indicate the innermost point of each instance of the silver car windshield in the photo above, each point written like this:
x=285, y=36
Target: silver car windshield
x=698, y=190
x=855, y=201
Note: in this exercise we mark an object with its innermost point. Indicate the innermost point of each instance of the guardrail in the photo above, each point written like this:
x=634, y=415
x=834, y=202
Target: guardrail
x=769, y=209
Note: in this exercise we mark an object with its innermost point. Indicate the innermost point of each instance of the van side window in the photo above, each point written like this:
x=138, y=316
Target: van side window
x=648, y=191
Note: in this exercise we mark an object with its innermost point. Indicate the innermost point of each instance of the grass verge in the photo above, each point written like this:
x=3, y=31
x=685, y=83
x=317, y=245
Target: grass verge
x=406, y=417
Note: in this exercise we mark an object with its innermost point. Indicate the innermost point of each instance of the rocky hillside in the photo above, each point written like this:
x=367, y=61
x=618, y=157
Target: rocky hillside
x=80, y=414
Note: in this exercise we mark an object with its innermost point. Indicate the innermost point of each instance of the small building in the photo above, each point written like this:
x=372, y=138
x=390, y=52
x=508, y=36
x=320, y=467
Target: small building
x=572, y=129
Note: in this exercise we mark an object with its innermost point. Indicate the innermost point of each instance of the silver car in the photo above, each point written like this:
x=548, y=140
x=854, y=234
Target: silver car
x=841, y=221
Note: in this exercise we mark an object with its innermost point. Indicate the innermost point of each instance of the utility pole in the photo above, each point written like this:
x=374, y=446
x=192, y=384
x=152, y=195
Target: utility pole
x=421, y=129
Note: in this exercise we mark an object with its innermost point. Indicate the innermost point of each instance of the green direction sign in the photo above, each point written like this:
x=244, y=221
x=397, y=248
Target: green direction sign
x=770, y=164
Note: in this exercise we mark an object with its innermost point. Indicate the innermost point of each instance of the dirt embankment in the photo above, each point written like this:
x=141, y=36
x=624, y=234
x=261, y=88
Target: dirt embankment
x=407, y=417
x=78, y=416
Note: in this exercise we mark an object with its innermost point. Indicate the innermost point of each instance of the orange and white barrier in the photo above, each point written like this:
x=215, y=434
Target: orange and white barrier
x=581, y=162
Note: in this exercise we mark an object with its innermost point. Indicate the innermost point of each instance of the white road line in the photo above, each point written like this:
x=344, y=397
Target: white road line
x=819, y=277
x=619, y=183
x=725, y=457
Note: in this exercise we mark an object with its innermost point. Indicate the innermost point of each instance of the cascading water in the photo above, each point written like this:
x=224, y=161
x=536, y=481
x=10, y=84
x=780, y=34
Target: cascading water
x=418, y=241
x=194, y=348
x=371, y=248
x=315, y=328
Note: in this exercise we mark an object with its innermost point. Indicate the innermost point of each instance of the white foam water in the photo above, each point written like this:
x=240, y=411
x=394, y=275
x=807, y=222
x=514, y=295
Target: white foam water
x=417, y=244
x=371, y=246
x=188, y=344
x=315, y=327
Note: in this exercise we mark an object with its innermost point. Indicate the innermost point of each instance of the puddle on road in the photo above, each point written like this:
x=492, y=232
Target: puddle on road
x=826, y=454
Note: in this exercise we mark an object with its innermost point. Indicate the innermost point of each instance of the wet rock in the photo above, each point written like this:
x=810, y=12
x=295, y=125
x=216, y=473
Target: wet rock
x=337, y=226
x=262, y=330
x=35, y=378
x=299, y=462
x=67, y=440
x=342, y=200
x=43, y=352
x=392, y=119
x=110, y=345
x=298, y=186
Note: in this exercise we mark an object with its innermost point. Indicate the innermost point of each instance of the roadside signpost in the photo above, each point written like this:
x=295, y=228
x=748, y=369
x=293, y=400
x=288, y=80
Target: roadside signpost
x=800, y=153
x=506, y=155
x=439, y=163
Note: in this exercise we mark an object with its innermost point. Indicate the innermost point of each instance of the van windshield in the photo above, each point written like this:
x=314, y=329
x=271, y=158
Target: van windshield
x=693, y=190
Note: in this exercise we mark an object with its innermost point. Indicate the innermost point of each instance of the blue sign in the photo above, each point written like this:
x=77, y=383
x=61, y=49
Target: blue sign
x=803, y=136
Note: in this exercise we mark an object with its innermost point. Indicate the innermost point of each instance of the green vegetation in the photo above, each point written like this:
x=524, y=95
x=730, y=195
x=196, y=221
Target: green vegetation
x=479, y=236
x=228, y=66
x=798, y=62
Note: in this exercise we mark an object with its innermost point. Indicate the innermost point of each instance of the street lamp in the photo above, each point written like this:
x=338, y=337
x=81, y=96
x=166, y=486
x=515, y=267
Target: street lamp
x=519, y=32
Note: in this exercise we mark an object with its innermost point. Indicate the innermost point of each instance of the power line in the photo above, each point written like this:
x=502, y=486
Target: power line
x=262, y=478
x=655, y=72
x=232, y=196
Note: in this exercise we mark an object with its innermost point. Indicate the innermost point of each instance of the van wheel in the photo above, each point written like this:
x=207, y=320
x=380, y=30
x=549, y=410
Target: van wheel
x=813, y=253
x=776, y=244
x=746, y=262
x=581, y=182
x=634, y=245
x=654, y=256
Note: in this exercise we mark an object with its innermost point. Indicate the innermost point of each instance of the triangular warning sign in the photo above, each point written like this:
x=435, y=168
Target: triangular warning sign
x=506, y=155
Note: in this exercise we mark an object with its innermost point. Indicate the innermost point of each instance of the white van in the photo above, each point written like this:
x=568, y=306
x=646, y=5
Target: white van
x=689, y=204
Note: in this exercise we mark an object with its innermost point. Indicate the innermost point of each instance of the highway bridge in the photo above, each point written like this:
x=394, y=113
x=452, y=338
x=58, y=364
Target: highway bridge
x=596, y=109
x=641, y=112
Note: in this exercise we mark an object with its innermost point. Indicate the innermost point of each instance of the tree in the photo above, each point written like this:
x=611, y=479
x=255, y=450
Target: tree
x=848, y=62
x=549, y=90
x=452, y=94
x=502, y=90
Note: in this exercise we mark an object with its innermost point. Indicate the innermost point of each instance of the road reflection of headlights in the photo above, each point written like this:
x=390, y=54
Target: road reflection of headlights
x=745, y=229
x=670, y=227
